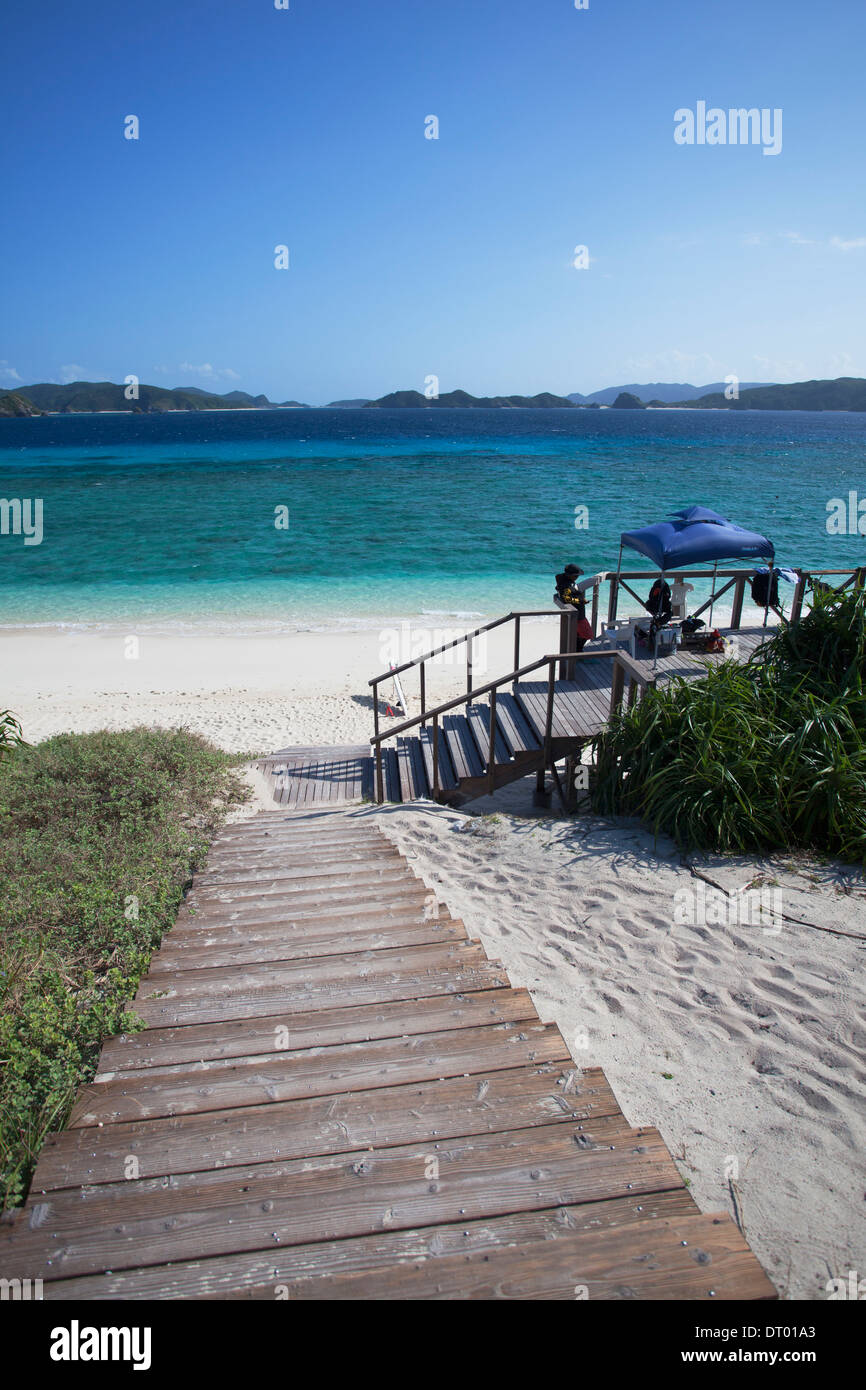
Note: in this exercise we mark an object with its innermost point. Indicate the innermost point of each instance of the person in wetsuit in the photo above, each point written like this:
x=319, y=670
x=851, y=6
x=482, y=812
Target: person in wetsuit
x=568, y=595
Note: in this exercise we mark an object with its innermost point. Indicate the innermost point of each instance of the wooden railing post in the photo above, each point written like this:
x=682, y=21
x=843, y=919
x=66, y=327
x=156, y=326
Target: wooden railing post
x=468, y=669
x=375, y=709
x=737, y=610
x=423, y=687
x=617, y=685
x=612, y=602
x=516, y=666
x=435, y=755
x=491, y=745
x=594, y=619
x=380, y=784
x=567, y=641
x=799, y=596
x=548, y=721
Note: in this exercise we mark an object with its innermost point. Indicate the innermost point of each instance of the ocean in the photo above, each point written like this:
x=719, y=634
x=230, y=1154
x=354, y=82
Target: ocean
x=276, y=521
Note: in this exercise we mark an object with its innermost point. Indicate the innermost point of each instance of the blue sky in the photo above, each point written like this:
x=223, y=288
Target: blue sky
x=408, y=256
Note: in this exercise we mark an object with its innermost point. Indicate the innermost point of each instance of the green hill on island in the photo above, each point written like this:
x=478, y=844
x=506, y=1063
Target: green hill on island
x=843, y=393
x=87, y=396
x=11, y=404
x=411, y=400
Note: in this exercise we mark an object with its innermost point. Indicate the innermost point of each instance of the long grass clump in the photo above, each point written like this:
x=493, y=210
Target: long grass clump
x=99, y=836
x=769, y=755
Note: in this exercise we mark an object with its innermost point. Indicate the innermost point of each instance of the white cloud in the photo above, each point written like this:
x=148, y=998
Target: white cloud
x=771, y=369
x=797, y=239
x=9, y=373
x=209, y=372
x=73, y=372
x=679, y=365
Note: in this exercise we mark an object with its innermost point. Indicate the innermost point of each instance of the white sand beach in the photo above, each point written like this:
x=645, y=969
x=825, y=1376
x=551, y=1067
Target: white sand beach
x=745, y=1046
x=249, y=694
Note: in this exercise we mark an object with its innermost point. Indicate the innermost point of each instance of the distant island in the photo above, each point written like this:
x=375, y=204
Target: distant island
x=657, y=392
x=413, y=400
x=87, y=396
x=843, y=393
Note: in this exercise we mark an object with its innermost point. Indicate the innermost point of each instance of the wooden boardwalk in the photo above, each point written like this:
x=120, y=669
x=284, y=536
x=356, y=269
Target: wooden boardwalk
x=337, y=1095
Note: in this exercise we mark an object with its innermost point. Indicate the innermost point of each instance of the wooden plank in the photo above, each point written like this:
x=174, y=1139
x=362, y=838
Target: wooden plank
x=447, y=778
x=517, y=730
x=343, y=917
x=479, y=722
x=276, y=946
x=700, y=1258
x=241, y=867
x=461, y=746
x=413, y=779
x=286, y=1074
x=428, y=1112
x=254, y=909
x=288, y=975
x=305, y=877
x=258, y=1275
x=161, y=1047
x=269, y=885
x=203, y=1214
x=413, y=982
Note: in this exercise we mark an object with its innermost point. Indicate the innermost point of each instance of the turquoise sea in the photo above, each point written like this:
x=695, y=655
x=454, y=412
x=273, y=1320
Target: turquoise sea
x=169, y=520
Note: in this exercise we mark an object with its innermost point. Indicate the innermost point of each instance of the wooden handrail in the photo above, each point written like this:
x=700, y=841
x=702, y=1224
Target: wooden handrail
x=493, y=685
x=465, y=637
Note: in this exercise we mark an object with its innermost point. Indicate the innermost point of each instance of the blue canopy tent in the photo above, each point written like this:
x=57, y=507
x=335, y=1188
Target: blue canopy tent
x=696, y=535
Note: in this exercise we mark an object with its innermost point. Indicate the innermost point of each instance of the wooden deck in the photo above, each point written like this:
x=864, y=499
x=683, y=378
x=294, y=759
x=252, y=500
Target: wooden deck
x=337, y=1095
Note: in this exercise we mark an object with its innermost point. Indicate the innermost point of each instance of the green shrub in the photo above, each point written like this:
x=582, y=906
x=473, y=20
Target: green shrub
x=771, y=755
x=99, y=836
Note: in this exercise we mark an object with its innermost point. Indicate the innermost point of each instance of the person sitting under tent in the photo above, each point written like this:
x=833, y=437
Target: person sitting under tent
x=660, y=607
x=659, y=602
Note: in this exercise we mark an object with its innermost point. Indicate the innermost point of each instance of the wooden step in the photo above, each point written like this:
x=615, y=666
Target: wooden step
x=220, y=1042
x=518, y=732
x=409, y=899
x=278, y=831
x=515, y=1098
x=413, y=778
x=465, y=758
x=456, y=972
x=699, y=1258
x=260, y=1274
x=264, y=886
x=282, y=945
x=196, y=934
x=447, y=778
x=285, y=1074
x=201, y=1214
x=479, y=722
x=241, y=867
x=289, y=901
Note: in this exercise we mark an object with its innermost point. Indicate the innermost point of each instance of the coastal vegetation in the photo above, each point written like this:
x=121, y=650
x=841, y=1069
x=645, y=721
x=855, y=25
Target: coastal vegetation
x=766, y=756
x=99, y=835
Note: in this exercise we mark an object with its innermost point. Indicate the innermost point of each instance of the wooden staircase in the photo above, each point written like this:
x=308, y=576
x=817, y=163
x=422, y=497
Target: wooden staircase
x=337, y=1095
x=470, y=746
